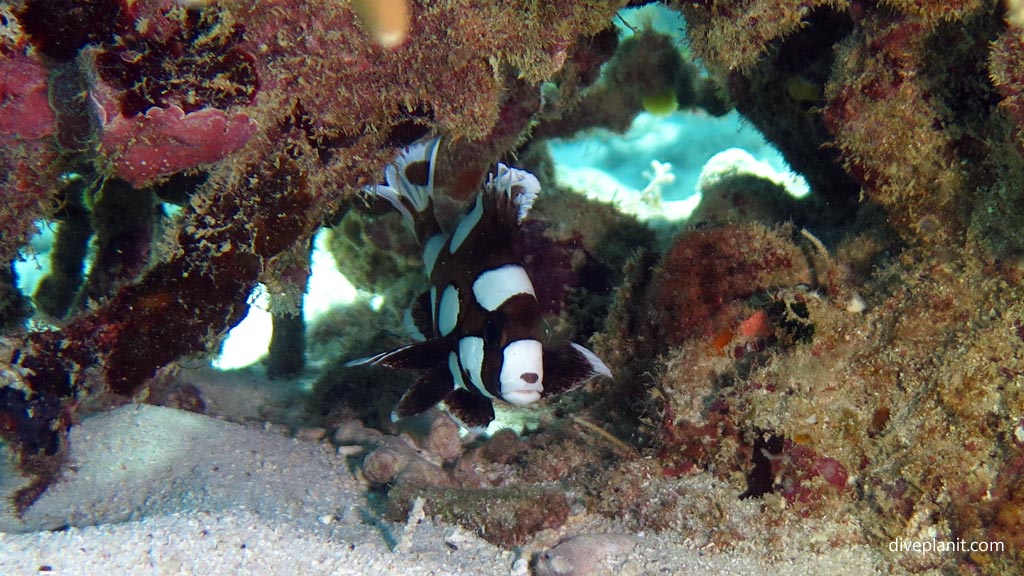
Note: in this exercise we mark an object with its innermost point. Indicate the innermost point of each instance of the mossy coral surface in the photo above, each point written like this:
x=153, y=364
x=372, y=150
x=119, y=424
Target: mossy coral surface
x=867, y=359
x=287, y=107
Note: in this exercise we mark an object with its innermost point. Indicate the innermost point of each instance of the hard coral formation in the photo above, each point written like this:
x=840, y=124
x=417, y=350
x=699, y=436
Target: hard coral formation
x=901, y=80
x=782, y=94
x=734, y=34
x=27, y=168
x=881, y=376
x=876, y=372
x=907, y=161
x=171, y=61
x=707, y=275
x=287, y=106
x=816, y=403
x=647, y=71
x=167, y=96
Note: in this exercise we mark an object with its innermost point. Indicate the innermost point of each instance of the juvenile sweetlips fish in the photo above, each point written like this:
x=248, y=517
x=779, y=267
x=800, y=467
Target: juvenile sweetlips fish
x=487, y=340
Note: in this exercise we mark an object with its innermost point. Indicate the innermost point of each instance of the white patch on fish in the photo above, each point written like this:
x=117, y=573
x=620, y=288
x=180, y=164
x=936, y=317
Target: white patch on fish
x=492, y=288
x=448, y=311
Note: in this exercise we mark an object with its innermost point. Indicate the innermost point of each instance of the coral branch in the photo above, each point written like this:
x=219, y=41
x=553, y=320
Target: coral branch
x=172, y=311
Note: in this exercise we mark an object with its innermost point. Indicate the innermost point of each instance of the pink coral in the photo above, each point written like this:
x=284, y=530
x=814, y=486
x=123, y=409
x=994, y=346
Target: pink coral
x=805, y=475
x=24, y=106
x=27, y=166
x=165, y=141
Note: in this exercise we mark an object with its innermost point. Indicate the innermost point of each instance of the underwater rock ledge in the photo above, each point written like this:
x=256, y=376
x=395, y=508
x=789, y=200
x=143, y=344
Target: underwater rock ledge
x=327, y=106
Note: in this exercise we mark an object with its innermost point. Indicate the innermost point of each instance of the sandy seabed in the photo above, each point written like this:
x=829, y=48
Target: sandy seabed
x=153, y=490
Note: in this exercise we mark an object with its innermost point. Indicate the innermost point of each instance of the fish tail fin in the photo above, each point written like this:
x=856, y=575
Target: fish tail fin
x=410, y=181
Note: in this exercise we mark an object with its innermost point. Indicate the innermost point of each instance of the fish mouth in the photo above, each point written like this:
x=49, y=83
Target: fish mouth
x=521, y=396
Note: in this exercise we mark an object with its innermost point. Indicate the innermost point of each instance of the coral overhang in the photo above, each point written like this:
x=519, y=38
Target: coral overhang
x=328, y=107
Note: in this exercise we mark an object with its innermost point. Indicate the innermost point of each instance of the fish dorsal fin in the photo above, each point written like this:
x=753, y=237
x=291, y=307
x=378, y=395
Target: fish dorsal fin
x=417, y=356
x=501, y=206
x=410, y=179
x=509, y=194
x=568, y=366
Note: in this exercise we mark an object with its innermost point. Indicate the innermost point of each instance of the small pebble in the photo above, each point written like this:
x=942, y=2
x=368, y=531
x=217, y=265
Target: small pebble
x=395, y=462
x=856, y=304
x=443, y=438
x=353, y=432
x=310, y=434
x=586, y=554
x=433, y=432
x=502, y=447
x=382, y=465
x=350, y=450
x=520, y=567
x=1018, y=432
x=458, y=538
x=275, y=428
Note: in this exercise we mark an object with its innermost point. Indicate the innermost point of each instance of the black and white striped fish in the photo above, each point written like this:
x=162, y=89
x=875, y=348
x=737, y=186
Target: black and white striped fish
x=487, y=338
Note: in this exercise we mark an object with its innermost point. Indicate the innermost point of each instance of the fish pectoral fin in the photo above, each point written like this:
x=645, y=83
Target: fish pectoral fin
x=471, y=410
x=431, y=388
x=569, y=366
x=416, y=356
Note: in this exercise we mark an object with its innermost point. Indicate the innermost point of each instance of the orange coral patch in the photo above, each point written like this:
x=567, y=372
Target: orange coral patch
x=721, y=340
x=757, y=326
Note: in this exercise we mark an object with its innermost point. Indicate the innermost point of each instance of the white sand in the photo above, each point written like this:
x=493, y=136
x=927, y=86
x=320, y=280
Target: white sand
x=160, y=491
